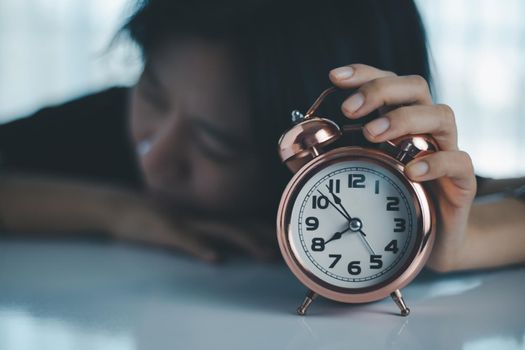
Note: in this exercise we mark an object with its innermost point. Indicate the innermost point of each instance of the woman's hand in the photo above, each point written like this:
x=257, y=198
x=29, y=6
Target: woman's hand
x=405, y=107
x=139, y=220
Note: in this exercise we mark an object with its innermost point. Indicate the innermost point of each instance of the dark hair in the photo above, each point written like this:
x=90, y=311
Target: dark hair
x=288, y=48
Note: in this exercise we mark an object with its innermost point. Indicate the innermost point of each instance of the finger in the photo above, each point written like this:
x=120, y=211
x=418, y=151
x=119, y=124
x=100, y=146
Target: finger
x=387, y=91
x=234, y=235
x=456, y=165
x=355, y=75
x=437, y=120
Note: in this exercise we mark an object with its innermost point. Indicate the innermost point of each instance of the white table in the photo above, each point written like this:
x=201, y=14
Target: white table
x=99, y=295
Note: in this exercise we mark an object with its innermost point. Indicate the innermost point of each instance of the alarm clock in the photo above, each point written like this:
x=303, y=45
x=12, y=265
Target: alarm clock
x=351, y=226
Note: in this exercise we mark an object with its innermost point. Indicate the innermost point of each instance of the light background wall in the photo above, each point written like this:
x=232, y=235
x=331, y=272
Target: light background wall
x=478, y=48
x=54, y=50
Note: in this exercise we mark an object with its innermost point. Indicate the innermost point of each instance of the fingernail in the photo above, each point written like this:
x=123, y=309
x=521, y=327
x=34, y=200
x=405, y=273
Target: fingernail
x=378, y=126
x=354, y=103
x=418, y=169
x=342, y=73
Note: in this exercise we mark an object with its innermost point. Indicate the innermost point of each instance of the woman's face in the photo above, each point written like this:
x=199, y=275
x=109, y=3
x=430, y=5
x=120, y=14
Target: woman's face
x=191, y=128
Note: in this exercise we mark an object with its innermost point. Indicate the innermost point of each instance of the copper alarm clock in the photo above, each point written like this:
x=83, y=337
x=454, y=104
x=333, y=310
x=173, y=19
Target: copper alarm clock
x=351, y=226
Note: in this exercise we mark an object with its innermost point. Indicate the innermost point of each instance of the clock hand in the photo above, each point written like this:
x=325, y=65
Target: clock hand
x=333, y=205
x=366, y=242
x=337, y=235
x=337, y=201
x=347, y=216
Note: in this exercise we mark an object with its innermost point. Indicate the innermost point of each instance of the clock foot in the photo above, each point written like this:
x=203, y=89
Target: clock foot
x=400, y=302
x=310, y=297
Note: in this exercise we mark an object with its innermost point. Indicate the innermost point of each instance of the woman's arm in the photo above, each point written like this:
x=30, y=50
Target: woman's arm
x=495, y=232
x=40, y=204
x=50, y=205
x=495, y=236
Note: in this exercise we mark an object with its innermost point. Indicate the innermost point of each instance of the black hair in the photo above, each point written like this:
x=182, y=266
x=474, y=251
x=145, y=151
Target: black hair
x=288, y=47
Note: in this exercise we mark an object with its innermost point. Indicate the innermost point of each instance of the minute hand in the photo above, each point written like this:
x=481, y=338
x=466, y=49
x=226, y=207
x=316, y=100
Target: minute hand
x=347, y=217
x=366, y=242
x=337, y=201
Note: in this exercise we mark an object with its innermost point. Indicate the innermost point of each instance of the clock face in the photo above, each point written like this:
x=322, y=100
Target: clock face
x=353, y=224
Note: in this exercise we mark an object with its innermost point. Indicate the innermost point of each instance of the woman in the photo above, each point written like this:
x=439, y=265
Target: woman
x=187, y=157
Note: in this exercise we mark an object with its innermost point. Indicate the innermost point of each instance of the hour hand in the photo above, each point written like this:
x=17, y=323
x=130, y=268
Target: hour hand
x=337, y=235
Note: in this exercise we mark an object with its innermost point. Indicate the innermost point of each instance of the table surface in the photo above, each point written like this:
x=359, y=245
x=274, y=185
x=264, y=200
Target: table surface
x=99, y=295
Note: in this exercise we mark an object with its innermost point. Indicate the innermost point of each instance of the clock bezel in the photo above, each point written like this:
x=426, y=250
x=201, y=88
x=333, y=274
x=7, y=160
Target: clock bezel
x=425, y=217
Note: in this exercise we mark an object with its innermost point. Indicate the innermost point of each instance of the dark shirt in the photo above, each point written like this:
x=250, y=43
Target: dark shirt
x=86, y=138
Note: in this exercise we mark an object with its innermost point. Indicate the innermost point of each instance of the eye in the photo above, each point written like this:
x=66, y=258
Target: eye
x=214, y=149
x=153, y=95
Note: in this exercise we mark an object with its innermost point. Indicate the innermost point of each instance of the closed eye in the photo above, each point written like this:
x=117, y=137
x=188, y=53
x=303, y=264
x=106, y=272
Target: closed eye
x=217, y=144
x=153, y=91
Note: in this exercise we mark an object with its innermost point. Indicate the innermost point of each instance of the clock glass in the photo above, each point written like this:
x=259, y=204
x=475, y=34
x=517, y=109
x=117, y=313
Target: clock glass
x=353, y=224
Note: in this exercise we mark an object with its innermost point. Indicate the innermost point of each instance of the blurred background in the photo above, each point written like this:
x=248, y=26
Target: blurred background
x=55, y=50
x=52, y=51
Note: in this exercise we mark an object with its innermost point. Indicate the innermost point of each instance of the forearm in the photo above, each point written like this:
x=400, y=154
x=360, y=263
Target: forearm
x=41, y=205
x=495, y=236
x=37, y=204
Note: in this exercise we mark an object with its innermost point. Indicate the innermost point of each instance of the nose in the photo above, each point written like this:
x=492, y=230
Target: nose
x=164, y=154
